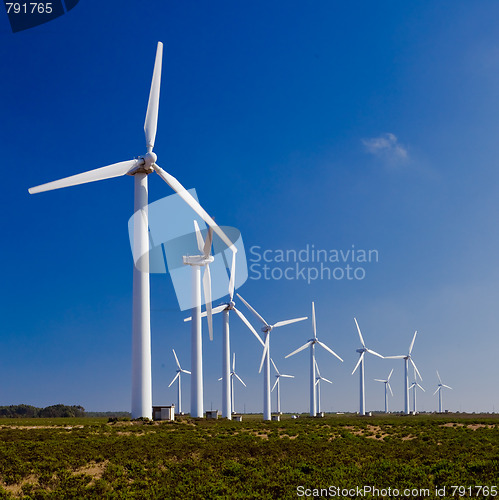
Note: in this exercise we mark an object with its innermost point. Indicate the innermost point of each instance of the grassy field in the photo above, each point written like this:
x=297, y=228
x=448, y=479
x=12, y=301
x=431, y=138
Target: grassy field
x=92, y=458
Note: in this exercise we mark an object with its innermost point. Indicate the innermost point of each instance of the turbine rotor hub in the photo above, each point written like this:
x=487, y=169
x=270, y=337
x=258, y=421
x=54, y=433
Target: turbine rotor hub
x=231, y=305
x=149, y=160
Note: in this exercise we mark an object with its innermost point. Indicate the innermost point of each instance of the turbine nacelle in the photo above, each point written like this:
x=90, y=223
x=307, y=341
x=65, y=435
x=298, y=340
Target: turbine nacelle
x=198, y=260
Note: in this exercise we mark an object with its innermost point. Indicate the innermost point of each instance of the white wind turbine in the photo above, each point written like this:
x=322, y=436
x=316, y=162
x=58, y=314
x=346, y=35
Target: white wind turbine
x=226, y=308
x=266, y=328
x=311, y=343
x=406, y=359
x=140, y=168
x=232, y=375
x=387, y=385
x=318, y=384
x=439, y=390
x=277, y=384
x=180, y=370
x=362, y=353
x=414, y=386
x=197, y=262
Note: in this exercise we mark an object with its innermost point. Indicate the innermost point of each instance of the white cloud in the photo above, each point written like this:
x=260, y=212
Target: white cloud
x=387, y=148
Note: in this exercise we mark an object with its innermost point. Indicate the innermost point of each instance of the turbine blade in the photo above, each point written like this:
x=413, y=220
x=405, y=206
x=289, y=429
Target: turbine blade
x=412, y=343
x=257, y=316
x=234, y=362
x=416, y=368
x=98, y=174
x=317, y=367
x=199, y=236
x=361, y=357
x=438, y=375
x=438, y=388
x=175, y=378
x=328, y=349
x=314, y=327
x=265, y=351
x=240, y=379
x=375, y=353
x=287, y=376
x=275, y=367
x=379, y=380
x=208, y=242
x=188, y=198
x=304, y=346
x=326, y=380
x=248, y=324
x=275, y=383
x=394, y=357
x=220, y=379
x=389, y=387
x=390, y=375
x=317, y=381
x=360, y=333
x=207, y=298
x=213, y=311
x=186, y=371
x=176, y=359
x=289, y=321
x=151, y=122
x=443, y=385
x=420, y=387
x=232, y=280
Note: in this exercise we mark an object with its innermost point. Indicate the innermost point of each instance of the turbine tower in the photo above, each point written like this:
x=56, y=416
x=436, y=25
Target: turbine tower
x=414, y=386
x=387, y=385
x=362, y=353
x=407, y=357
x=140, y=168
x=180, y=370
x=266, y=328
x=196, y=262
x=278, y=385
x=311, y=343
x=227, y=408
x=439, y=390
x=318, y=384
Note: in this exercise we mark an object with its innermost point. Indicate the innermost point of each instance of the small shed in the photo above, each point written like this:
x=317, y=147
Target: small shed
x=212, y=414
x=163, y=412
x=320, y=414
x=237, y=417
x=276, y=418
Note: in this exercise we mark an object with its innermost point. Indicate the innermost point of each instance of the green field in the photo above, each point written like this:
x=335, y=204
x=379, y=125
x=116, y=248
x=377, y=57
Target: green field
x=92, y=458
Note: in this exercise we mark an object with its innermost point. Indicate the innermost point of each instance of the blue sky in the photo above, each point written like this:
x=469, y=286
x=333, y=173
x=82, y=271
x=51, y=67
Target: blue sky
x=328, y=123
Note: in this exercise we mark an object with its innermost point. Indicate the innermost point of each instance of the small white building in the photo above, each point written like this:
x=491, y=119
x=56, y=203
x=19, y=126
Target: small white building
x=276, y=418
x=237, y=417
x=212, y=414
x=163, y=412
x=320, y=414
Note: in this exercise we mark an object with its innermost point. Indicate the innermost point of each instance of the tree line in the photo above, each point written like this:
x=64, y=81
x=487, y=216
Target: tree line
x=28, y=411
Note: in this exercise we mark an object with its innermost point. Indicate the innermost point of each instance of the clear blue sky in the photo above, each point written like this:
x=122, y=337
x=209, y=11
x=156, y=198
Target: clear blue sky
x=324, y=123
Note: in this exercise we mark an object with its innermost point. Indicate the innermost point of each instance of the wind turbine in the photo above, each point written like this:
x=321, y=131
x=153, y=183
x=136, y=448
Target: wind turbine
x=278, y=385
x=318, y=384
x=232, y=375
x=414, y=386
x=439, y=390
x=196, y=262
x=362, y=353
x=226, y=308
x=266, y=328
x=311, y=343
x=140, y=168
x=406, y=359
x=387, y=385
x=177, y=377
